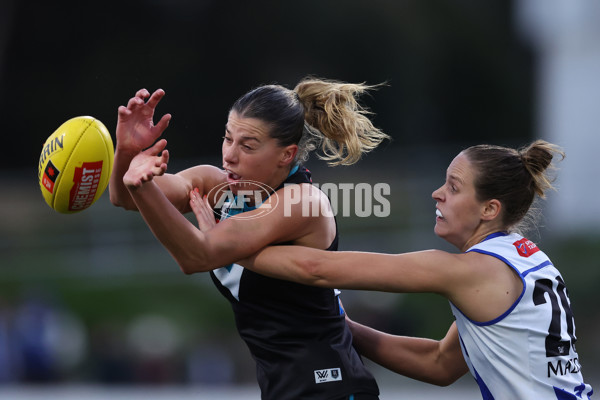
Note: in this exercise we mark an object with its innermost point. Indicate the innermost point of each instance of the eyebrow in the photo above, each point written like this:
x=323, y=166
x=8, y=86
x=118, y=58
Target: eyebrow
x=456, y=178
x=244, y=137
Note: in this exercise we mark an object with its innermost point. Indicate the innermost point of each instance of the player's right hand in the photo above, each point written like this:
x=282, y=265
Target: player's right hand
x=135, y=126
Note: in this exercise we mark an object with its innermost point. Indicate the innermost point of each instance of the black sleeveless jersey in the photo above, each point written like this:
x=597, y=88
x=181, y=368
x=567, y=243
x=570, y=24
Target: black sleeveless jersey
x=297, y=334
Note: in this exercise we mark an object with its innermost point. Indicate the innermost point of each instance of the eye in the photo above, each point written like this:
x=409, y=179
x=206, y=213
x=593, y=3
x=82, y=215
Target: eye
x=227, y=139
x=451, y=187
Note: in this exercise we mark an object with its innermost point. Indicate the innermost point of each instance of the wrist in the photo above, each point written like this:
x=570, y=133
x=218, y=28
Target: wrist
x=126, y=152
x=135, y=186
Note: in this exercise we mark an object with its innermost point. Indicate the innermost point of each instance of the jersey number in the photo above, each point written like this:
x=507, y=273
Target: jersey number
x=554, y=345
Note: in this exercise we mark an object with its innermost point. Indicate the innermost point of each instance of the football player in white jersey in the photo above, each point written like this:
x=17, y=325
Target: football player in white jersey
x=514, y=328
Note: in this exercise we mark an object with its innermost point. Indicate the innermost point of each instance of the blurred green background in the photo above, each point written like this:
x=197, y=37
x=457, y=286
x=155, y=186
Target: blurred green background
x=94, y=298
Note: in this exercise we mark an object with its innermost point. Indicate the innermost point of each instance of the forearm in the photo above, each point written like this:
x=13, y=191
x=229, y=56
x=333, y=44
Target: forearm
x=119, y=195
x=417, y=358
x=186, y=244
x=422, y=271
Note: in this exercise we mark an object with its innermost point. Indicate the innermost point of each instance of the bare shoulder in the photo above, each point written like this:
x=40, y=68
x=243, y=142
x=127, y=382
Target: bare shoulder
x=478, y=268
x=494, y=287
x=304, y=199
x=483, y=263
x=450, y=274
x=305, y=211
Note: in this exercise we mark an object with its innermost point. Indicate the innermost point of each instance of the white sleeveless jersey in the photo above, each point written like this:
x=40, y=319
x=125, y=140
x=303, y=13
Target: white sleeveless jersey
x=527, y=353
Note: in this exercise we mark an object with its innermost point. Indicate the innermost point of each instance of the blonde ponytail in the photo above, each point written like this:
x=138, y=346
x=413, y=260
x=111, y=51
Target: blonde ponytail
x=331, y=109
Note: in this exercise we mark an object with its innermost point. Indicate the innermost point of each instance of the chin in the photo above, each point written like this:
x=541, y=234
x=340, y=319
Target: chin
x=252, y=191
x=442, y=235
x=233, y=189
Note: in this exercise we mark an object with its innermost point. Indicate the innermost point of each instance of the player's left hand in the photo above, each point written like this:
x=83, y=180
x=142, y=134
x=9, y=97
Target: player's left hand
x=146, y=165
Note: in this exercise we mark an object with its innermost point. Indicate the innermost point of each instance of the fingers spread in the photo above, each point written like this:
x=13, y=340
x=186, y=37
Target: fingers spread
x=165, y=157
x=202, y=210
x=157, y=147
x=142, y=93
x=159, y=170
x=124, y=111
x=163, y=123
x=155, y=98
x=135, y=102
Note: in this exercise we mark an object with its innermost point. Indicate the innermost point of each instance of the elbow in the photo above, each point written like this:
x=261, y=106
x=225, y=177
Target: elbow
x=311, y=271
x=192, y=265
x=446, y=377
x=114, y=199
x=186, y=269
x=443, y=382
x=119, y=202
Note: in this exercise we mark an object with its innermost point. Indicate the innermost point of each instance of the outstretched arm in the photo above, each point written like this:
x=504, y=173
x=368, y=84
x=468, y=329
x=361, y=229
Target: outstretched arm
x=423, y=271
x=188, y=245
x=213, y=246
x=480, y=285
x=135, y=132
x=432, y=361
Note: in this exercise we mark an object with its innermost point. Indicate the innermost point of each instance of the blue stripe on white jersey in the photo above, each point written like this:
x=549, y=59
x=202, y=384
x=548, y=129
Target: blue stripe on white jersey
x=527, y=352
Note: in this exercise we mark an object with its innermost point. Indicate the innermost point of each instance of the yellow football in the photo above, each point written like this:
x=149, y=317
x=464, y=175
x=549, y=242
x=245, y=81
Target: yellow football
x=75, y=164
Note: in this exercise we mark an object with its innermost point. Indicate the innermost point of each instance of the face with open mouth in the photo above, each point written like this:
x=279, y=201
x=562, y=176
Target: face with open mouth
x=458, y=212
x=252, y=159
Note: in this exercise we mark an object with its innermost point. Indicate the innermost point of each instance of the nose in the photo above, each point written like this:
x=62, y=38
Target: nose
x=230, y=154
x=437, y=194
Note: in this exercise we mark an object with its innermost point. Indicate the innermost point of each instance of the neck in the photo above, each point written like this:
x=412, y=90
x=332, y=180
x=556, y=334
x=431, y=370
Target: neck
x=276, y=180
x=479, y=235
x=281, y=175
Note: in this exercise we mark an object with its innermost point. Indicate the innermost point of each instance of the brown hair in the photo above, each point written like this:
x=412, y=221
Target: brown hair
x=316, y=113
x=514, y=177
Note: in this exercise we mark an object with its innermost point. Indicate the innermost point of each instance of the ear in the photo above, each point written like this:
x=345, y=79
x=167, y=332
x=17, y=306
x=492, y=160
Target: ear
x=491, y=210
x=288, y=154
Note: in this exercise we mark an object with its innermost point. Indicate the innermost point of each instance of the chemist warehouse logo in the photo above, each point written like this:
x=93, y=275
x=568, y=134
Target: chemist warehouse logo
x=345, y=199
x=85, y=185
